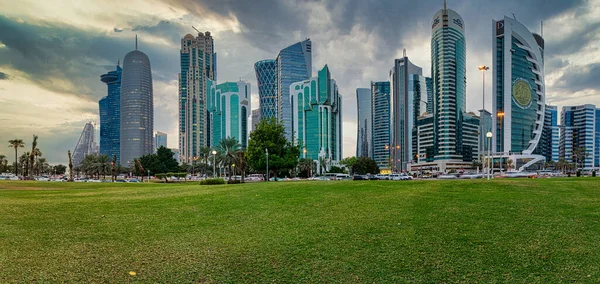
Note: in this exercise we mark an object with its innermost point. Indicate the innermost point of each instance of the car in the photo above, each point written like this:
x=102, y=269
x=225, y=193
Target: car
x=133, y=180
x=359, y=177
x=382, y=177
x=447, y=176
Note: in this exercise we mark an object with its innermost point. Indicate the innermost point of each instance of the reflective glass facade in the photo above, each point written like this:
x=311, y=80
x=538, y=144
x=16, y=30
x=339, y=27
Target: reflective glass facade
x=380, y=92
x=579, y=131
x=110, y=115
x=364, y=131
x=160, y=140
x=597, y=141
x=266, y=78
x=294, y=64
x=228, y=107
x=549, y=143
x=137, y=107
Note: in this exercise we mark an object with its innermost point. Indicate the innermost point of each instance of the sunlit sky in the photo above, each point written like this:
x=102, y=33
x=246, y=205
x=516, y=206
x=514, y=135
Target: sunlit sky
x=52, y=53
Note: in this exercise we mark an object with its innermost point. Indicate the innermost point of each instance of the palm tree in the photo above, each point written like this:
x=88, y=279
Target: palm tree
x=16, y=143
x=32, y=155
x=24, y=163
x=2, y=163
x=228, y=149
x=306, y=165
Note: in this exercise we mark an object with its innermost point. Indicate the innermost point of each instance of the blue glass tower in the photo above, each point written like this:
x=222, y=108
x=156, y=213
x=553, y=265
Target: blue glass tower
x=294, y=64
x=578, y=131
x=380, y=92
x=266, y=77
x=110, y=115
x=549, y=143
x=364, y=134
x=597, y=141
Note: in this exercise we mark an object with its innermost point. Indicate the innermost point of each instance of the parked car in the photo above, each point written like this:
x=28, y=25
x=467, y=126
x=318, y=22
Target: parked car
x=447, y=176
x=382, y=177
x=359, y=177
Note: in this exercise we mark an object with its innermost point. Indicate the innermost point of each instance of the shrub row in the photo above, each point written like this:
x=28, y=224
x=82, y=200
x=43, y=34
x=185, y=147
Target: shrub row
x=211, y=181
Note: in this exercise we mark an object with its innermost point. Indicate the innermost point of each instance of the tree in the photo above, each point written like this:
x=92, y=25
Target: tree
x=59, y=169
x=509, y=164
x=160, y=163
x=16, y=143
x=366, y=165
x=228, y=150
x=32, y=155
x=3, y=163
x=349, y=163
x=580, y=154
x=476, y=165
x=306, y=167
x=336, y=170
x=270, y=135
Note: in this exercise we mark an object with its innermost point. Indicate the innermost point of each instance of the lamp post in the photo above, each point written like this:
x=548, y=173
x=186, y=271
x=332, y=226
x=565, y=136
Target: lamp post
x=489, y=136
x=233, y=166
x=482, y=68
x=148, y=175
x=214, y=153
x=267, y=154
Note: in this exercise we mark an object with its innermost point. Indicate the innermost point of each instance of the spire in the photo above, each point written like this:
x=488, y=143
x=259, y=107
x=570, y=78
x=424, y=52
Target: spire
x=444, y=5
x=404, y=52
x=118, y=61
x=136, y=42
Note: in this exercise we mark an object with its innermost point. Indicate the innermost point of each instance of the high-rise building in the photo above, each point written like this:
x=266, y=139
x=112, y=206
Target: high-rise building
x=448, y=73
x=597, y=141
x=578, y=132
x=198, y=65
x=381, y=109
x=160, y=140
x=110, y=115
x=85, y=145
x=255, y=118
x=137, y=107
x=266, y=78
x=364, y=131
x=294, y=64
x=518, y=97
x=549, y=142
x=229, y=109
x=485, y=118
x=317, y=118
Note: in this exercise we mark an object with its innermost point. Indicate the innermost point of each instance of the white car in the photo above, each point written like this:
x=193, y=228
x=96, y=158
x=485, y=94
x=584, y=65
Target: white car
x=42, y=179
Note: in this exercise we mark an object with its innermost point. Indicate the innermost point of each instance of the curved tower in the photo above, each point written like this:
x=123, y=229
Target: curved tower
x=110, y=115
x=137, y=107
x=266, y=78
x=448, y=73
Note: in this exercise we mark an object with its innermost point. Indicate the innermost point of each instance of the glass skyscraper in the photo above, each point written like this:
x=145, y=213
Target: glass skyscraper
x=380, y=92
x=266, y=78
x=137, y=107
x=229, y=110
x=294, y=64
x=549, y=142
x=110, y=115
x=597, y=141
x=198, y=65
x=160, y=140
x=317, y=117
x=364, y=129
x=578, y=131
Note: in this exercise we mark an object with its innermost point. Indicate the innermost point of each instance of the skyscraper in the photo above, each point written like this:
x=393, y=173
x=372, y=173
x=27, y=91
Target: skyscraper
x=85, y=145
x=597, y=141
x=380, y=92
x=160, y=140
x=266, y=78
x=579, y=132
x=317, y=118
x=229, y=109
x=448, y=73
x=110, y=115
x=137, y=107
x=549, y=142
x=255, y=118
x=294, y=64
x=198, y=65
x=518, y=100
x=364, y=131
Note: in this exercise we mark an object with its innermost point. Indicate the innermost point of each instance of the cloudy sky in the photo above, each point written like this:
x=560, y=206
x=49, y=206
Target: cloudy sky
x=53, y=52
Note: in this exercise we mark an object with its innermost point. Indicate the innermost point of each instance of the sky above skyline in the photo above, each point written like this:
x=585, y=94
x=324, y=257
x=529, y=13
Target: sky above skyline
x=52, y=53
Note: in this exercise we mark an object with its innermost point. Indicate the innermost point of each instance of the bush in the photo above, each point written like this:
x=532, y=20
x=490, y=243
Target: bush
x=234, y=181
x=593, y=173
x=212, y=181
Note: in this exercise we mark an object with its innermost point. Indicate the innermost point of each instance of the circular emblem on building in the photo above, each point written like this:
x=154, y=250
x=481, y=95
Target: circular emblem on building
x=522, y=93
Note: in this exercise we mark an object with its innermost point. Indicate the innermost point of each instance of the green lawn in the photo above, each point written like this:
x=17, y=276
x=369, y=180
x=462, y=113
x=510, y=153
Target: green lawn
x=544, y=230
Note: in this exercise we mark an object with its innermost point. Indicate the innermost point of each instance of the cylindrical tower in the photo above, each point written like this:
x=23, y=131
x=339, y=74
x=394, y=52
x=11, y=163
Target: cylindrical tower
x=266, y=78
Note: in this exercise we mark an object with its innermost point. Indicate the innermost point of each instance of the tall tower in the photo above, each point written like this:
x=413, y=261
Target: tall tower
x=229, y=107
x=85, y=144
x=198, y=65
x=137, y=107
x=448, y=73
x=294, y=64
x=110, y=114
x=266, y=78
x=364, y=134
x=380, y=96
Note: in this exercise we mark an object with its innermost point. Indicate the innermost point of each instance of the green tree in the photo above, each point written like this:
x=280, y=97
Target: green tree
x=509, y=164
x=476, y=165
x=59, y=169
x=3, y=163
x=228, y=150
x=32, y=155
x=160, y=163
x=270, y=135
x=16, y=143
x=349, y=163
x=336, y=170
x=306, y=167
x=366, y=165
x=580, y=154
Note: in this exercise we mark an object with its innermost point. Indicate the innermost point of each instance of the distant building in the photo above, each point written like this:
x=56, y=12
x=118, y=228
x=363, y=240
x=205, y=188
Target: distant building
x=578, y=130
x=176, y=155
x=85, y=145
x=317, y=118
x=266, y=78
x=255, y=118
x=380, y=92
x=364, y=131
x=160, y=140
x=110, y=115
x=550, y=140
x=229, y=109
x=485, y=118
x=597, y=141
x=137, y=107
x=197, y=65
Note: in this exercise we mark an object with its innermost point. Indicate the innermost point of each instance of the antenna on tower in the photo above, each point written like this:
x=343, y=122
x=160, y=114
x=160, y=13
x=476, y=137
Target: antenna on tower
x=404, y=52
x=444, y=4
x=136, y=42
x=196, y=29
x=118, y=61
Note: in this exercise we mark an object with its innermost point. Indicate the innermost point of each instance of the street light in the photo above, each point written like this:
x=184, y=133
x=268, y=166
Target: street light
x=148, y=175
x=267, y=153
x=482, y=68
x=233, y=165
x=214, y=153
x=489, y=136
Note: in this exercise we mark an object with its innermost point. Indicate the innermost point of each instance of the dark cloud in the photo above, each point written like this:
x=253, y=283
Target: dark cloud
x=118, y=30
x=578, y=78
x=169, y=30
x=4, y=76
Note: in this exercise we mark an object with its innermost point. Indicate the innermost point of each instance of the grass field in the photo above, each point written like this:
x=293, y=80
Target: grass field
x=545, y=230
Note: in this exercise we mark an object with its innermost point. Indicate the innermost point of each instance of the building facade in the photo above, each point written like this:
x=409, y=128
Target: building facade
x=266, y=78
x=294, y=64
x=550, y=140
x=317, y=118
x=110, y=115
x=255, y=118
x=381, y=112
x=364, y=126
x=197, y=66
x=229, y=107
x=597, y=142
x=137, y=107
x=160, y=140
x=578, y=132
x=485, y=118
x=86, y=144
x=518, y=101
